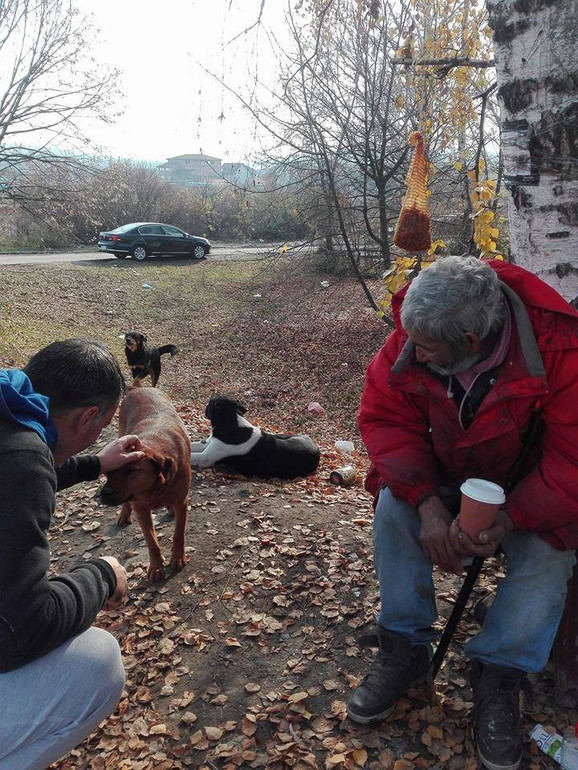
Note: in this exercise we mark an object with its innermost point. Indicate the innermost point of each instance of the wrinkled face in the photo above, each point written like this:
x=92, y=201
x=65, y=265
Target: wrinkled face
x=137, y=480
x=441, y=357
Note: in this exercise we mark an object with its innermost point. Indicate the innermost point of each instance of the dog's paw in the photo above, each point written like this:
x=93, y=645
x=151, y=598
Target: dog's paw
x=178, y=561
x=155, y=571
x=199, y=461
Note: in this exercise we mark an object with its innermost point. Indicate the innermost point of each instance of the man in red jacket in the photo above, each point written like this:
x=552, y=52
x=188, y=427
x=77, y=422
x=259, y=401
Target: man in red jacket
x=477, y=349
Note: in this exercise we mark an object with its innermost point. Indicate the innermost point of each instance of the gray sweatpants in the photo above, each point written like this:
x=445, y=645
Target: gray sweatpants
x=49, y=706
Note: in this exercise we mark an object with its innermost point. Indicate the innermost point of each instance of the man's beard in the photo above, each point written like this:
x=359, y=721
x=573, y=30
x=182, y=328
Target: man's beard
x=456, y=366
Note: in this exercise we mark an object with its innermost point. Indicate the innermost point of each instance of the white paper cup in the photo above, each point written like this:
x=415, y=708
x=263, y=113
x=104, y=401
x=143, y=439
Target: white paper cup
x=481, y=501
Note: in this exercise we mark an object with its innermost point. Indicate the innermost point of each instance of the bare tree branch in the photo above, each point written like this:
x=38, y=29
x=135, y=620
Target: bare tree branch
x=49, y=85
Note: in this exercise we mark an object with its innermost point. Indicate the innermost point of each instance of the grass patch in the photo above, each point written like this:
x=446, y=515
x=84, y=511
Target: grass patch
x=269, y=332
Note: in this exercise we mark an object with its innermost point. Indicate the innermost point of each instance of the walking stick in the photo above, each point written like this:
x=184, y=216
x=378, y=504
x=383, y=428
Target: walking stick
x=458, y=610
x=534, y=430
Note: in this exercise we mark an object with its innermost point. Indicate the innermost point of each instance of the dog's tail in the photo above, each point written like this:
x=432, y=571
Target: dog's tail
x=172, y=349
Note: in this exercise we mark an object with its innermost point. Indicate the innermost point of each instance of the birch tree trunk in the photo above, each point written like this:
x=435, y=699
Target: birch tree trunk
x=536, y=49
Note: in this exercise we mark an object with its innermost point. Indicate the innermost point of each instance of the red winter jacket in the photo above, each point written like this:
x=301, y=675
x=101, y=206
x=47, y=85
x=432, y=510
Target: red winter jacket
x=416, y=444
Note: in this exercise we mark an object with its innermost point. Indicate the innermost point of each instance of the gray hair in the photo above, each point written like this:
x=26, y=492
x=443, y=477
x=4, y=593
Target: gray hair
x=454, y=296
x=75, y=373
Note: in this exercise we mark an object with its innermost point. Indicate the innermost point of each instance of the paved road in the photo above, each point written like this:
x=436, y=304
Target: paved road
x=220, y=251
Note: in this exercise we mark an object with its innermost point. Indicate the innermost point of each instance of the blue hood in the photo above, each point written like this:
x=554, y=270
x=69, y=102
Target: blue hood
x=19, y=402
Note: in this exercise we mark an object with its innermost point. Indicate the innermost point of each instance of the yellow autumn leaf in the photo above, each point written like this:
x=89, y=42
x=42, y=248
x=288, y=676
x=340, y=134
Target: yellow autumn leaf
x=458, y=166
x=360, y=757
x=439, y=244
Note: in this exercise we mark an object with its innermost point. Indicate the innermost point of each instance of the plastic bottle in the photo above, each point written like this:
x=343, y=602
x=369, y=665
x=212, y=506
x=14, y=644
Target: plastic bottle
x=345, y=446
x=569, y=750
x=549, y=743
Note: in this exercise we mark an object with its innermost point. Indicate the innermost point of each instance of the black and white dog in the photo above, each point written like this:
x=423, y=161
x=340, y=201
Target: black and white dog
x=236, y=445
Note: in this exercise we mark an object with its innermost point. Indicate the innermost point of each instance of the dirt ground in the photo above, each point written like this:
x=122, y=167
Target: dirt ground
x=246, y=658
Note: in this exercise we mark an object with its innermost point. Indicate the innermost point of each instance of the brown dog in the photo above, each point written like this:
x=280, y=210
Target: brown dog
x=159, y=480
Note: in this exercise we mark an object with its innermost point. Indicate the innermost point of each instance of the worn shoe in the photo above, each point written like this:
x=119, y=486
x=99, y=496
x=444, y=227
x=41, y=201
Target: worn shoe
x=397, y=664
x=482, y=607
x=497, y=719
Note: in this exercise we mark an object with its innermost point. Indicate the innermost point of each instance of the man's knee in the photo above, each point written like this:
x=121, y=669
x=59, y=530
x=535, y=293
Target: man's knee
x=391, y=512
x=529, y=555
x=105, y=669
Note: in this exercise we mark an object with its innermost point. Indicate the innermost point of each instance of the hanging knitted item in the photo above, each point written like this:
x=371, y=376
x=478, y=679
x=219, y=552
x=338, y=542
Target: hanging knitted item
x=412, y=232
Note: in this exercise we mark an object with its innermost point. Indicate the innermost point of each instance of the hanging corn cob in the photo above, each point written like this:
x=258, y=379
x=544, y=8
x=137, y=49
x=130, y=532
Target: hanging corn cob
x=412, y=232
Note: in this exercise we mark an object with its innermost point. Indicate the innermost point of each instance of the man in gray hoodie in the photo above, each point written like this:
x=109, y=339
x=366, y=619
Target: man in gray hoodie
x=59, y=676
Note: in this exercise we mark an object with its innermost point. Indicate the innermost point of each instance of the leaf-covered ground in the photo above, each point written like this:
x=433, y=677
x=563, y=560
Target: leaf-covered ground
x=246, y=658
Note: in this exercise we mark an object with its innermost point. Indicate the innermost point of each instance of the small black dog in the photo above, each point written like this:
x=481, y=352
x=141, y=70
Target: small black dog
x=236, y=445
x=143, y=359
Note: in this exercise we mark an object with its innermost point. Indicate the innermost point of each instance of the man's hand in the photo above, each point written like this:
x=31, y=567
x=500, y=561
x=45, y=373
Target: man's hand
x=489, y=539
x=117, y=599
x=119, y=452
x=434, y=535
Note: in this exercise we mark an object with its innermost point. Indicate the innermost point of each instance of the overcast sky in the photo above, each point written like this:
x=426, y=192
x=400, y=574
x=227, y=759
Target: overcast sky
x=171, y=106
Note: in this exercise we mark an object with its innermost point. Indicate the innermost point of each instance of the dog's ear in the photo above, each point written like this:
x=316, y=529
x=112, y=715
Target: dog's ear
x=169, y=469
x=165, y=467
x=140, y=338
x=213, y=407
x=241, y=409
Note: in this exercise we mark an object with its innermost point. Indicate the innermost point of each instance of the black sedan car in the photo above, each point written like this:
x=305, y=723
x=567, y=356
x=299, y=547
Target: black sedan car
x=143, y=239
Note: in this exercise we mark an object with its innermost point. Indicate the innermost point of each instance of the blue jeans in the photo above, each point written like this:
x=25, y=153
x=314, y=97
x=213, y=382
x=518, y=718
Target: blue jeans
x=520, y=627
x=50, y=705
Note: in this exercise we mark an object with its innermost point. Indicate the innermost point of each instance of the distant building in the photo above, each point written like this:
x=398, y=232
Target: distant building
x=198, y=170
x=238, y=173
x=191, y=170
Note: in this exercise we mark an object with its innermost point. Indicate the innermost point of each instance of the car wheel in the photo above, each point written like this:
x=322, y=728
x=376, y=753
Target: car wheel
x=139, y=253
x=199, y=251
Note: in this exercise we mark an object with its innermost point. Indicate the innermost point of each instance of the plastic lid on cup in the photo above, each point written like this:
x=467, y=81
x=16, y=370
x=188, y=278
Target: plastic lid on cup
x=483, y=491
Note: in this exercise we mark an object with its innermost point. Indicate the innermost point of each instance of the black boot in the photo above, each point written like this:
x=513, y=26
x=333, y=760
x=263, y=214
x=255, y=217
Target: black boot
x=397, y=664
x=497, y=720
